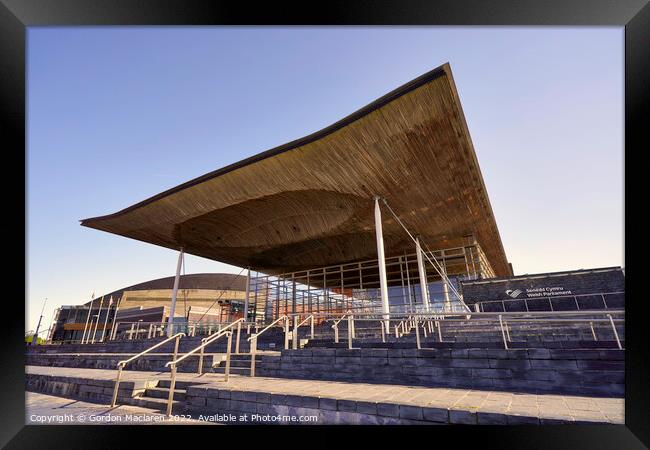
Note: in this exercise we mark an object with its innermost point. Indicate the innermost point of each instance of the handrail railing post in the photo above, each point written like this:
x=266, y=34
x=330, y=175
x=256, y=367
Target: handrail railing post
x=286, y=333
x=117, y=385
x=593, y=332
x=439, y=330
x=505, y=324
x=227, y=370
x=172, y=384
x=176, y=346
x=336, y=333
x=312, y=326
x=417, y=334
x=383, y=331
x=618, y=341
x=503, y=334
x=200, y=368
x=295, y=332
x=350, y=332
x=238, y=334
x=253, y=352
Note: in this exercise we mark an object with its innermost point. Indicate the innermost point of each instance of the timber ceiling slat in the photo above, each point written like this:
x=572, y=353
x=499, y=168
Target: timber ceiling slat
x=311, y=204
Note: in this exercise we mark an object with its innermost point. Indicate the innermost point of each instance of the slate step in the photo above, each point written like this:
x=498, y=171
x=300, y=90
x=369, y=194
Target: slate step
x=233, y=370
x=179, y=394
x=159, y=404
x=179, y=384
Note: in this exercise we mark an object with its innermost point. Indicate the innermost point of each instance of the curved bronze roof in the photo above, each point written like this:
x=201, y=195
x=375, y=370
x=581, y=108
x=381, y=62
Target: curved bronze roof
x=309, y=203
x=213, y=281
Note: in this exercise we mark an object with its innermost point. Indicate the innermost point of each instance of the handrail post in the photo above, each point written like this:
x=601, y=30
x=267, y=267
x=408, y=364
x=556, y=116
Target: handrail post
x=172, y=384
x=336, y=333
x=176, y=346
x=200, y=369
x=227, y=370
x=505, y=324
x=117, y=385
x=618, y=341
x=350, y=332
x=312, y=326
x=593, y=332
x=383, y=332
x=354, y=329
x=286, y=333
x=295, y=332
x=237, y=341
x=253, y=351
x=417, y=335
x=503, y=334
x=439, y=331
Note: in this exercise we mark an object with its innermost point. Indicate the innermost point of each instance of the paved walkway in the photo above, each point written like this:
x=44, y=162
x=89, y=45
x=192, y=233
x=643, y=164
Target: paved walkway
x=43, y=409
x=553, y=407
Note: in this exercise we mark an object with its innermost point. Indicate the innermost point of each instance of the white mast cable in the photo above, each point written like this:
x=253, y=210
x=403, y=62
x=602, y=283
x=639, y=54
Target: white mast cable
x=438, y=267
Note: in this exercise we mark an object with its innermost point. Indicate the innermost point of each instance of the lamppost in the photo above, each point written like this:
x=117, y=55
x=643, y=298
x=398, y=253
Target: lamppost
x=35, y=337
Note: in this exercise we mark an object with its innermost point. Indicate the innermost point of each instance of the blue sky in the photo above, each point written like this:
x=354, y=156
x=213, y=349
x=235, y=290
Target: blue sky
x=118, y=114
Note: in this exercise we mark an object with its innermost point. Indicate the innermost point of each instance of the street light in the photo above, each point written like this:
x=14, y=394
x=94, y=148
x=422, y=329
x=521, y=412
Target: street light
x=35, y=337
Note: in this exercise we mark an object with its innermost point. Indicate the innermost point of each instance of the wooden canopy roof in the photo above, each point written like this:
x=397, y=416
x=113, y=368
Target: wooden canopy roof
x=309, y=203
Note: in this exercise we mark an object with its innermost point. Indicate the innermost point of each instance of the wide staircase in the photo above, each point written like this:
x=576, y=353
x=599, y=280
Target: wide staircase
x=559, y=355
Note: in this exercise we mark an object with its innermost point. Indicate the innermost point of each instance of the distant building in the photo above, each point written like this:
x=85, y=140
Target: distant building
x=205, y=298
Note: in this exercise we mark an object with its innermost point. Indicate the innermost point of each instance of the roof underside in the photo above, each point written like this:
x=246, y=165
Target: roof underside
x=309, y=203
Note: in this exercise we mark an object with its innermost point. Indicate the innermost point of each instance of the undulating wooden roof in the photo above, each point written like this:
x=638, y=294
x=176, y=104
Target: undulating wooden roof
x=309, y=203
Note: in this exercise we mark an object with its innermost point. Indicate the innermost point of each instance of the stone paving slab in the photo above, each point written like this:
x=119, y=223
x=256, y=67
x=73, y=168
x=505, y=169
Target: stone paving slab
x=43, y=409
x=460, y=405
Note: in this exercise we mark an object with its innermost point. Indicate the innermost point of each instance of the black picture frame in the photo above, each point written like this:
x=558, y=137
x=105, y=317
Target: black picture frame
x=16, y=15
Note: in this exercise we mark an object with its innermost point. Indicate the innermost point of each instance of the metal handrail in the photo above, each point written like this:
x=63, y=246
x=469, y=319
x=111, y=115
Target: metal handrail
x=297, y=325
x=122, y=364
x=253, y=340
x=223, y=329
x=431, y=320
x=213, y=337
x=175, y=363
x=256, y=335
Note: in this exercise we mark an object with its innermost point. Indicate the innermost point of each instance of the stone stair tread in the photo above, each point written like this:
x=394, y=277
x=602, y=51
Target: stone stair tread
x=157, y=403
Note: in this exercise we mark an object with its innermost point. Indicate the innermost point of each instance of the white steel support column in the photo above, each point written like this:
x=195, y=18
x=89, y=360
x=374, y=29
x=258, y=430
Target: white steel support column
x=172, y=308
x=248, y=283
x=383, y=282
x=423, y=275
x=445, y=290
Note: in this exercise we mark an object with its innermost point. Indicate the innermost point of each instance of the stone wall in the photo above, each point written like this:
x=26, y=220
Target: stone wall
x=94, y=391
x=537, y=288
x=595, y=372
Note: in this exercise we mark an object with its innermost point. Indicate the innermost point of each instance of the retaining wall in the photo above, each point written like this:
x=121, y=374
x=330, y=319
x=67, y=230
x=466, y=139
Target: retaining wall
x=594, y=372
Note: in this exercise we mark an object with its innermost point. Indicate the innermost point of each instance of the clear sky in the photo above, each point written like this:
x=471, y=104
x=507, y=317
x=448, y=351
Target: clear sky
x=118, y=114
